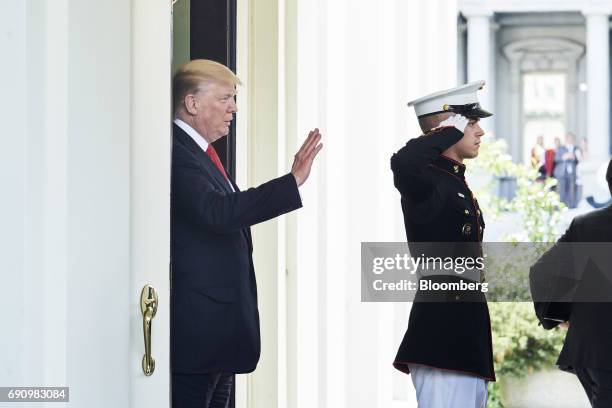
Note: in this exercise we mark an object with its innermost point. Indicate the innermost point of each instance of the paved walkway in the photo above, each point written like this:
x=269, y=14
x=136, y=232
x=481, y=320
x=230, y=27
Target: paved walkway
x=510, y=222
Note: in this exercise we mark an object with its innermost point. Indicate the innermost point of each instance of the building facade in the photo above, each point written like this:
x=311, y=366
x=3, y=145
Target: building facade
x=557, y=51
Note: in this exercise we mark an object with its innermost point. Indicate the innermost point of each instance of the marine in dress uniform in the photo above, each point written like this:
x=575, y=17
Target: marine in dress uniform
x=447, y=346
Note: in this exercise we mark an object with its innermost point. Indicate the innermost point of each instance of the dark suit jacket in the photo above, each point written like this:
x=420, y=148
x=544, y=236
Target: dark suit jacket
x=214, y=316
x=564, y=167
x=588, y=342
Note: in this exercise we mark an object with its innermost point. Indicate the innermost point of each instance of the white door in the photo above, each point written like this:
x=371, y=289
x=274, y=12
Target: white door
x=85, y=182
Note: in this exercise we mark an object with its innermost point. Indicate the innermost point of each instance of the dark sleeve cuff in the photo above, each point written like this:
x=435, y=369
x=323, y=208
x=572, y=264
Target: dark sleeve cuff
x=292, y=192
x=445, y=137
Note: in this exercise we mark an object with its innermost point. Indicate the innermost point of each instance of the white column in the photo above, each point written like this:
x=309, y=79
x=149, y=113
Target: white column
x=479, y=56
x=598, y=80
x=54, y=236
x=461, y=57
x=263, y=143
x=572, y=90
x=14, y=82
x=515, y=131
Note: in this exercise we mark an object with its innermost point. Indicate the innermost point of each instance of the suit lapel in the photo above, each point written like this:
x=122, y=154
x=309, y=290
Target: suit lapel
x=211, y=169
x=202, y=157
x=214, y=172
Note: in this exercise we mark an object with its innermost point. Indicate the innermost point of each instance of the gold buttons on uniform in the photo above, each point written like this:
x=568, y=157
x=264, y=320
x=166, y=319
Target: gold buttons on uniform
x=467, y=212
x=456, y=168
x=467, y=229
x=478, y=212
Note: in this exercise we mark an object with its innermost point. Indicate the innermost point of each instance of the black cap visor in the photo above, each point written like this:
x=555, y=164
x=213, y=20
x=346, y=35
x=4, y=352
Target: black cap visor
x=476, y=113
x=471, y=111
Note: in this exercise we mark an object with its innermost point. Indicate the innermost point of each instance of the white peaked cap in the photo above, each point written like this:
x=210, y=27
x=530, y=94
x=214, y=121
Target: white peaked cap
x=462, y=100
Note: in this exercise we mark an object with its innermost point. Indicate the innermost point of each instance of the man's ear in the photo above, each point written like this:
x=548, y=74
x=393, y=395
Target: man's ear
x=191, y=104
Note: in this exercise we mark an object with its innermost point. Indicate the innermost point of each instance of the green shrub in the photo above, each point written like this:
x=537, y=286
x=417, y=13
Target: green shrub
x=520, y=346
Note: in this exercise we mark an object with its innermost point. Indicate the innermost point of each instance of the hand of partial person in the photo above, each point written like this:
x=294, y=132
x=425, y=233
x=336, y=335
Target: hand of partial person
x=565, y=325
x=303, y=159
x=460, y=122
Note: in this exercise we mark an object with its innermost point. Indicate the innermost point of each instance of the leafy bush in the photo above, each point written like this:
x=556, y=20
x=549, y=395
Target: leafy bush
x=520, y=346
x=540, y=207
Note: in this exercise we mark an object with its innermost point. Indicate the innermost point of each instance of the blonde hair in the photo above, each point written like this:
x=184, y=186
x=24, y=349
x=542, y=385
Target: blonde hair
x=195, y=74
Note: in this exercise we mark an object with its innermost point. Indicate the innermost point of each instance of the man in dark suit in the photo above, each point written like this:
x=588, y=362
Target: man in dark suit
x=566, y=162
x=587, y=350
x=214, y=317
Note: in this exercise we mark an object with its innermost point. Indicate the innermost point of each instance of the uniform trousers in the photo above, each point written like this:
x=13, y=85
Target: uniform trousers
x=437, y=388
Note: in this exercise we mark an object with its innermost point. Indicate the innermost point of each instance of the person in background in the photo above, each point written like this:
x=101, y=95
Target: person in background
x=585, y=164
x=584, y=149
x=549, y=159
x=566, y=162
x=538, y=153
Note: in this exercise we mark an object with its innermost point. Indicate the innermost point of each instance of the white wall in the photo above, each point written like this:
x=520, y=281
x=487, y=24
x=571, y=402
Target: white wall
x=12, y=179
x=348, y=67
x=33, y=180
x=357, y=63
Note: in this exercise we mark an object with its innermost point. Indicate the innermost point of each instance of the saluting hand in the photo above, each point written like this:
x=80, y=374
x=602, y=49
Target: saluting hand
x=458, y=121
x=303, y=159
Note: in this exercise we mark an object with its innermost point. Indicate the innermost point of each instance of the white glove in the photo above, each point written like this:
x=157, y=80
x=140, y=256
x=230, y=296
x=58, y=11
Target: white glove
x=460, y=122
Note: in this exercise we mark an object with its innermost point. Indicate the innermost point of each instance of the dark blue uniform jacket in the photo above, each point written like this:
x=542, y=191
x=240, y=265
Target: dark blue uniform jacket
x=451, y=331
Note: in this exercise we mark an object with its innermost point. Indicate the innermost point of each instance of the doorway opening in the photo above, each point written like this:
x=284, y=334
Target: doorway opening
x=206, y=29
x=544, y=104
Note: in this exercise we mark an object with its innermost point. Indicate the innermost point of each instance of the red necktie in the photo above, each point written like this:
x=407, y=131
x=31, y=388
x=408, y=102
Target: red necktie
x=212, y=153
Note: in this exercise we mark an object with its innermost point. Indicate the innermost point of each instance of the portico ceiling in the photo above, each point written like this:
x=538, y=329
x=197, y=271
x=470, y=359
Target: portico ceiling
x=539, y=19
x=484, y=7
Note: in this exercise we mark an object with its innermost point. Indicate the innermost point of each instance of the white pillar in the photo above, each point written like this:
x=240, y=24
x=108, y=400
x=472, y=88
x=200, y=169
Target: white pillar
x=479, y=56
x=491, y=86
x=461, y=54
x=514, y=136
x=598, y=80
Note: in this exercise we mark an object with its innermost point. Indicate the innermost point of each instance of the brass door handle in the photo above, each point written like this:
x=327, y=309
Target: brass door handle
x=148, y=306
